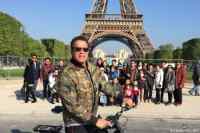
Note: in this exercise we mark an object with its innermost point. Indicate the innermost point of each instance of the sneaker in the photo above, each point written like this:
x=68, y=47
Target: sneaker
x=168, y=103
x=157, y=102
x=52, y=102
x=34, y=101
x=190, y=92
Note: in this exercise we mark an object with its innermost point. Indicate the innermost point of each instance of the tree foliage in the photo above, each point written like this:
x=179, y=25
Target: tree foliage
x=61, y=50
x=191, y=49
x=149, y=55
x=177, y=53
x=34, y=46
x=56, y=48
x=164, y=52
x=10, y=35
x=15, y=41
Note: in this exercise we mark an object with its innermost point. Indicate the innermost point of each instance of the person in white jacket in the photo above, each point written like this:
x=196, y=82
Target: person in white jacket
x=159, y=75
x=53, y=76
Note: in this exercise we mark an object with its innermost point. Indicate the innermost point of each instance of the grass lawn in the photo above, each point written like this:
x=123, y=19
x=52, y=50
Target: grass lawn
x=18, y=72
x=189, y=76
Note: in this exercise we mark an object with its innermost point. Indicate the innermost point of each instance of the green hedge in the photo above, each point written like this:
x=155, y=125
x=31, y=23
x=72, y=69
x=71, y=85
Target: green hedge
x=11, y=73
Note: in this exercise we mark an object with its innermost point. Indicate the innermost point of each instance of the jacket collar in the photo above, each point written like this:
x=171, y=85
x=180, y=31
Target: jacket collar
x=76, y=65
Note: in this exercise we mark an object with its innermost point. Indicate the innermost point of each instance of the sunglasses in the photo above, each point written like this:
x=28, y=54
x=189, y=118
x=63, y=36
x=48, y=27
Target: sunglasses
x=77, y=49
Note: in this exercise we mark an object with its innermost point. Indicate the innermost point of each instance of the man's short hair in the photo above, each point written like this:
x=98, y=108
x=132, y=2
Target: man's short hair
x=33, y=54
x=81, y=38
x=47, y=58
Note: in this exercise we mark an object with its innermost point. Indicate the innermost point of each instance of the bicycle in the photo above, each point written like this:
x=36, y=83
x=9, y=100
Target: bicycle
x=116, y=125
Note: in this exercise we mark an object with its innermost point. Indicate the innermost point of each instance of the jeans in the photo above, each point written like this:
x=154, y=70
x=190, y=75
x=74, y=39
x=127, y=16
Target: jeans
x=158, y=95
x=135, y=99
x=45, y=87
x=30, y=91
x=195, y=90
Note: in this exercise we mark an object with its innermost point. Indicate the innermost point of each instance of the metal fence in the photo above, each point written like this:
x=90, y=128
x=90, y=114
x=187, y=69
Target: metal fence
x=13, y=66
x=16, y=61
x=16, y=64
x=7, y=62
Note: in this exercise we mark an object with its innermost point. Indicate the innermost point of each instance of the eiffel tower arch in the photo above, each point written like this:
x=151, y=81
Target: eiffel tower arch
x=126, y=27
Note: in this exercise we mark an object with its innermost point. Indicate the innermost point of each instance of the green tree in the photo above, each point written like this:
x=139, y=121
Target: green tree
x=164, y=52
x=177, y=53
x=61, y=50
x=149, y=55
x=14, y=41
x=56, y=48
x=49, y=45
x=10, y=35
x=67, y=52
x=34, y=46
x=157, y=54
x=191, y=49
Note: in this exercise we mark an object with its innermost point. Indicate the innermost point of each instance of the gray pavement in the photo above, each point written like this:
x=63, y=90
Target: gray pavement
x=15, y=124
x=12, y=104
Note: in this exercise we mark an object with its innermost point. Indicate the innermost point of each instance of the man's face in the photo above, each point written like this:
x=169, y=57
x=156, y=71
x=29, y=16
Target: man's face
x=61, y=63
x=164, y=64
x=80, y=51
x=114, y=63
x=115, y=81
x=178, y=65
x=47, y=61
x=34, y=58
x=133, y=65
x=128, y=82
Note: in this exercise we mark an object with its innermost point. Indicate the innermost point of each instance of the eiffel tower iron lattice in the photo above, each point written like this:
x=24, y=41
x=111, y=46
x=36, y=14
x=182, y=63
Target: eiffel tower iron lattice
x=126, y=27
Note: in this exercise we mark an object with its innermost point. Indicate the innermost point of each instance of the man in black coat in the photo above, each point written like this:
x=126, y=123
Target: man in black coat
x=31, y=76
x=196, y=79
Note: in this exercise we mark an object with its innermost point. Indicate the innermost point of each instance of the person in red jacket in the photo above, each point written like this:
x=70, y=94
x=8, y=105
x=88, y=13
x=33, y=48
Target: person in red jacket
x=47, y=67
x=180, y=80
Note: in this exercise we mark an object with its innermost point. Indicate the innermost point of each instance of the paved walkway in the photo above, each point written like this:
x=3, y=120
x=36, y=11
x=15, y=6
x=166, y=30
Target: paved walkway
x=12, y=104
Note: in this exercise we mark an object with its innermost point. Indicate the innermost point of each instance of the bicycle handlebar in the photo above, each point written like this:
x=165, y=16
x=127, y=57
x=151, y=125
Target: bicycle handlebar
x=116, y=127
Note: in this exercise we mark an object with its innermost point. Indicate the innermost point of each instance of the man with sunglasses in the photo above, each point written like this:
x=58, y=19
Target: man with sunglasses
x=79, y=86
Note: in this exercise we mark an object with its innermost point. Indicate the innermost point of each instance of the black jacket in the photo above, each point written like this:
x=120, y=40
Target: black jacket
x=196, y=74
x=32, y=73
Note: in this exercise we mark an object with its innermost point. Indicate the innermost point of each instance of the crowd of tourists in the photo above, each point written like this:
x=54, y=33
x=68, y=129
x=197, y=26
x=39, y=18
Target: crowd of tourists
x=138, y=80
x=134, y=80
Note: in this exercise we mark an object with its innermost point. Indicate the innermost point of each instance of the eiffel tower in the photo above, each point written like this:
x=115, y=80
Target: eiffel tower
x=126, y=27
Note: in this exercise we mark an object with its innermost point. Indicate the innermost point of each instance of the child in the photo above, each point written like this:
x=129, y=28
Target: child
x=135, y=92
x=51, y=90
x=127, y=92
x=103, y=99
x=118, y=91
